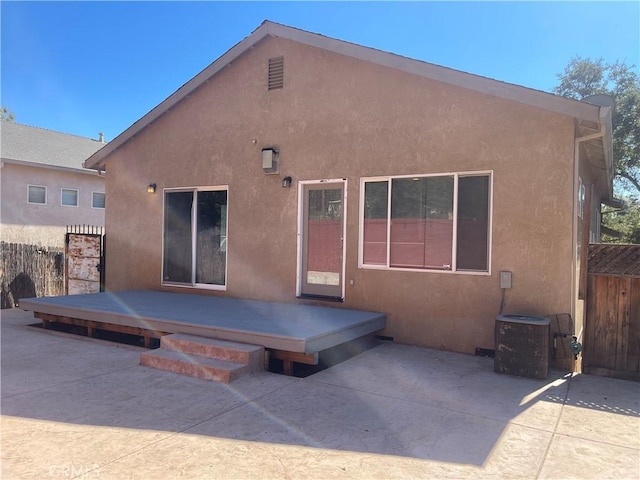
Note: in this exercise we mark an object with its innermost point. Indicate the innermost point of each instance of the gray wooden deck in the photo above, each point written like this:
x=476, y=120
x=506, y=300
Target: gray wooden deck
x=290, y=327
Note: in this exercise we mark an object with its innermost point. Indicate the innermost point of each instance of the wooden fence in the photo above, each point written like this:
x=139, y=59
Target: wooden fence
x=29, y=271
x=612, y=327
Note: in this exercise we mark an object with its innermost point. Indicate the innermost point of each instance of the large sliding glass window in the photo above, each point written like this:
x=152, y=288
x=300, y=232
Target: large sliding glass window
x=426, y=222
x=195, y=237
x=421, y=222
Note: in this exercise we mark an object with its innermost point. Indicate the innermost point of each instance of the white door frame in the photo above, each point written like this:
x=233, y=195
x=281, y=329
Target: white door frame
x=299, y=263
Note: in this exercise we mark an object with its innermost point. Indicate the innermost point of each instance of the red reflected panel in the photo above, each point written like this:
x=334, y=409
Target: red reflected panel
x=375, y=242
x=324, y=246
x=324, y=236
x=421, y=243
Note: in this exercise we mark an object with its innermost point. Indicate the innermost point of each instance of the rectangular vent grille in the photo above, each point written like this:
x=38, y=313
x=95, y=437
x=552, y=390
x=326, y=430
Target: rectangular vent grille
x=276, y=73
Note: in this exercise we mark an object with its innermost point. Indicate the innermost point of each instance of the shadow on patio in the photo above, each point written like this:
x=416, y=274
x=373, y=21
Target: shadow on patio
x=396, y=403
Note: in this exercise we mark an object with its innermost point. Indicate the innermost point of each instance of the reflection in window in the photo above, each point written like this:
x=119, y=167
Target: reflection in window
x=195, y=237
x=324, y=234
x=375, y=223
x=419, y=222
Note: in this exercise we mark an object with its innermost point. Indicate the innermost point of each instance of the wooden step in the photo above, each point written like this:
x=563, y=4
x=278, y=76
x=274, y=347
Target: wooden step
x=252, y=355
x=193, y=365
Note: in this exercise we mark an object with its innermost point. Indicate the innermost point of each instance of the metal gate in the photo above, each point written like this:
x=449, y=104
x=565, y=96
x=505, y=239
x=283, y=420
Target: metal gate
x=612, y=327
x=84, y=249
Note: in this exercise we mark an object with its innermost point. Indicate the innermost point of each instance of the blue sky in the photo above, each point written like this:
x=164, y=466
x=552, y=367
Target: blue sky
x=89, y=67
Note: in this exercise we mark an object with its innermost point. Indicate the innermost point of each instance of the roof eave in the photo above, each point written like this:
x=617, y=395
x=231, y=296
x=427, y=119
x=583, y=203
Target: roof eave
x=97, y=160
x=606, y=118
x=574, y=108
x=608, y=147
x=85, y=171
x=582, y=111
x=610, y=231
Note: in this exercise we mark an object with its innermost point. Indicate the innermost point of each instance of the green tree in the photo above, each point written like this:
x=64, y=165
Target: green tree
x=584, y=77
x=7, y=115
x=625, y=221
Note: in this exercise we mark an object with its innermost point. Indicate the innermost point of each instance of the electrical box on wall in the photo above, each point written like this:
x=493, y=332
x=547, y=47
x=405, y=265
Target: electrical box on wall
x=505, y=279
x=270, y=158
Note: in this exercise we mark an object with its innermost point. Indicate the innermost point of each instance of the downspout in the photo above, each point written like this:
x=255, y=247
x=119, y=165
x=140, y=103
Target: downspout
x=574, y=233
x=604, y=118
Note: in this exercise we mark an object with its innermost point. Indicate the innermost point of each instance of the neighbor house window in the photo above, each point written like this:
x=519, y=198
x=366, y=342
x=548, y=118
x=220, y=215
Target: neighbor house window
x=97, y=200
x=195, y=237
x=69, y=197
x=37, y=194
x=426, y=222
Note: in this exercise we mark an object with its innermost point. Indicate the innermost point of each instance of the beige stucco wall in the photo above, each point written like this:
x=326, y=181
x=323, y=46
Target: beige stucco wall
x=343, y=118
x=45, y=225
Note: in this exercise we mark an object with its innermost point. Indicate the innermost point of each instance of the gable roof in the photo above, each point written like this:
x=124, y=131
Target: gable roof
x=24, y=144
x=588, y=116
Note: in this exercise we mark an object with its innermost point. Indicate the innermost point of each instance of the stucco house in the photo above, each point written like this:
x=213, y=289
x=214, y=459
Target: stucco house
x=299, y=168
x=45, y=186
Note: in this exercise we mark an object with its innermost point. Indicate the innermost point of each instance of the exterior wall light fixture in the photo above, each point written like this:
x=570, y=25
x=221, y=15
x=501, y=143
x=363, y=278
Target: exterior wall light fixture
x=286, y=182
x=270, y=159
x=151, y=188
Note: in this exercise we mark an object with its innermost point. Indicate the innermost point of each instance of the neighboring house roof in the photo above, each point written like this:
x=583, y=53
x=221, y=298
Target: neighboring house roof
x=591, y=119
x=35, y=146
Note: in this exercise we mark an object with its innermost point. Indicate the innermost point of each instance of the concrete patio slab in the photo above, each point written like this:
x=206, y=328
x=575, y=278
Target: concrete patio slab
x=74, y=407
x=597, y=459
x=596, y=407
x=458, y=383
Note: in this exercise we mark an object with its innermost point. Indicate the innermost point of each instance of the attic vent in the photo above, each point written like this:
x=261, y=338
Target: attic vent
x=276, y=73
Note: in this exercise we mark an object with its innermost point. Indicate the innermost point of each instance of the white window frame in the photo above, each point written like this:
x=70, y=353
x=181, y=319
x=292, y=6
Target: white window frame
x=93, y=202
x=204, y=286
x=62, y=190
x=453, y=270
x=36, y=203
